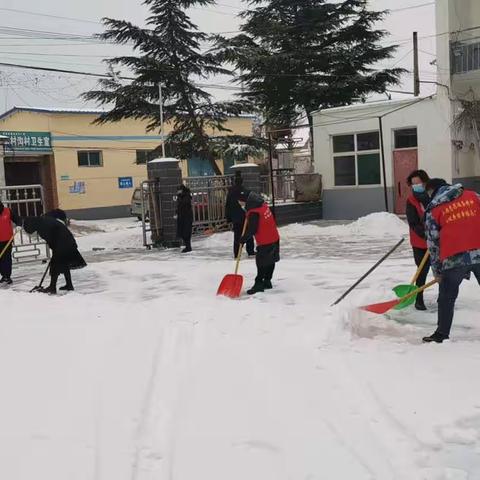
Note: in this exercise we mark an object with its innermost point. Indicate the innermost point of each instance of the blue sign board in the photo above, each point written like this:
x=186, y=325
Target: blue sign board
x=125, y=182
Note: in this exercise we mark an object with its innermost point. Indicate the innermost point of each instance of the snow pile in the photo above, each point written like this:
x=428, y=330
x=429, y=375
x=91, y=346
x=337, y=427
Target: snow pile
x=116, y=234
x=375, y=225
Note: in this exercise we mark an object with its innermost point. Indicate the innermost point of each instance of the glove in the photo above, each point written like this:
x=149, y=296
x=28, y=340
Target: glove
x=244, y=240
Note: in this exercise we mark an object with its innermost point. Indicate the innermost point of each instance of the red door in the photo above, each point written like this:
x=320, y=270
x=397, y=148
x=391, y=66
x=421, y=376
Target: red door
x=404, y=163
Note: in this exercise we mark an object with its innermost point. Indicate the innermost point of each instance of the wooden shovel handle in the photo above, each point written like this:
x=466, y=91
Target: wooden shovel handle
x=420, y=267
x=417, y=291
x=237, y=264
x=5, y=248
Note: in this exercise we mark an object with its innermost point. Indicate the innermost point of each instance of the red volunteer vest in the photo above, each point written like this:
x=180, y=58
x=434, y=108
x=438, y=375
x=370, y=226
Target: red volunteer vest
x=6, y=229
x=415, y=240
x=459, y=222
x=267, y=232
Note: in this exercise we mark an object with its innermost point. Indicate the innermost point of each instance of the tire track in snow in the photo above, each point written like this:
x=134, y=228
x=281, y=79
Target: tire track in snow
x=146, y=406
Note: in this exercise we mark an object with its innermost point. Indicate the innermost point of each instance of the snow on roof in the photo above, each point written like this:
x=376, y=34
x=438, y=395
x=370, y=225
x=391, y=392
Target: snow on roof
x=164, y=160
x=244, y=165
x=300, y=135
x=89, y=111
x=377, y=106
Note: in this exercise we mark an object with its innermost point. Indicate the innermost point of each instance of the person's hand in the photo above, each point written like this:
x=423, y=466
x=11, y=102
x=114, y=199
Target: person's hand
x=243, y=240
x=438, y=278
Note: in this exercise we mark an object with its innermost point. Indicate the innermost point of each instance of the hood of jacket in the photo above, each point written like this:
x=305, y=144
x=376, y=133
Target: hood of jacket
x=446, y=194
x=254, y=200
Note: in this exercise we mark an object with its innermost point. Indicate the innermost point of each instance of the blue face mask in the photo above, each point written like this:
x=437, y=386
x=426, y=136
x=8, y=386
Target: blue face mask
x=418, y=188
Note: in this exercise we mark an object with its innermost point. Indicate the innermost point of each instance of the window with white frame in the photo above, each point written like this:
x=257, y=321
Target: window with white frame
x=356, y=159
x=90, y=158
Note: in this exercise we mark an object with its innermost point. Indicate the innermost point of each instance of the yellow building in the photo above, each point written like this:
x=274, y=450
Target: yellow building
x=88, y=170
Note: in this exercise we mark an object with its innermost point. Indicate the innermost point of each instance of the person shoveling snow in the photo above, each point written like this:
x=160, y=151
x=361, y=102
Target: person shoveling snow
x=453, y=236
x=65, y=255
x=261, y=225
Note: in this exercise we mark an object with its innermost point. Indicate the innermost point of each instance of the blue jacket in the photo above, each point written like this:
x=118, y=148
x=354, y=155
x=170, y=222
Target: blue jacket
x=445, y=194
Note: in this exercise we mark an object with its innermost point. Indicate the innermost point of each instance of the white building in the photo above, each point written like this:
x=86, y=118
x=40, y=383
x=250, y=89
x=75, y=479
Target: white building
x=417, y=132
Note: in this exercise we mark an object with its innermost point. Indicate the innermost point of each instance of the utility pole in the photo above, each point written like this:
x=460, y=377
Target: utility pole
x=160, y=103
x=416, y=73
x=270, y=161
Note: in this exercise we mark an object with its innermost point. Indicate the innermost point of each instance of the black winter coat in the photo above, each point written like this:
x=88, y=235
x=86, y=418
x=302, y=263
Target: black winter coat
x=184, y=214
x=65, y=254
x=415, y=222
x=233, y=211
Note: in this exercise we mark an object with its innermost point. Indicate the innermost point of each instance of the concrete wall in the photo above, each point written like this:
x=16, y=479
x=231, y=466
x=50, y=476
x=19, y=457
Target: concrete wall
x=430, y=118
x=118, y=142
x=298, y=212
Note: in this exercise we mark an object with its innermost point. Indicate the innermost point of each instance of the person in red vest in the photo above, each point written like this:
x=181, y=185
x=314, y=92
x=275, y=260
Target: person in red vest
x=452, y=223
x=417, y=203
x=7, y=217
x=261, y=225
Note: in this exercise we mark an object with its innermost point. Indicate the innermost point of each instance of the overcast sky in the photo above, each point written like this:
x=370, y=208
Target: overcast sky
x=45, y=40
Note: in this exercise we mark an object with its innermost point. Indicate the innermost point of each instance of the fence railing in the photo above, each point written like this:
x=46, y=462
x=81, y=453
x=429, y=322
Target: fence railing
x=26, y=201
x=292, y=187
x=209, y=195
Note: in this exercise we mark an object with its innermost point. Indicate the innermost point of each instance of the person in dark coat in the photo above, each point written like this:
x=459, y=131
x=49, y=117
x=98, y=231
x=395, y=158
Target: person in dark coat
x=7, y=217
x=417, y=203
x=65, y=254
x=261, y=225
x=235, y=215
x=184, y=217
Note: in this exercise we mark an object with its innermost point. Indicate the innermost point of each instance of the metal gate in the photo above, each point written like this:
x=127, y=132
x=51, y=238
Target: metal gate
x=209, y=195
x=26, y=201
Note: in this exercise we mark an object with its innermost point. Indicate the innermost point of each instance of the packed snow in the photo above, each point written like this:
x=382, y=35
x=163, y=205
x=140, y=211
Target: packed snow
x=143, y=373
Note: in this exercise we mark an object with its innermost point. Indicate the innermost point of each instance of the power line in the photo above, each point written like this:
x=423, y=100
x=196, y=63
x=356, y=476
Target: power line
x=27, y=12
x=412, y=7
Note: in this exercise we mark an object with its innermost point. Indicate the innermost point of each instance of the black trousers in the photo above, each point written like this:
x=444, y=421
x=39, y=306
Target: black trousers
x=6, y=261
x=264, y=273
x=449, y=288
x=418, y=254
x=237, y=235
x=54, y=278
x=187, y=241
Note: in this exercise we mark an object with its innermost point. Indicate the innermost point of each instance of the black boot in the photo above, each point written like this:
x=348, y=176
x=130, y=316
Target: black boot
x=68, y=287
x=437, y=337
x=257, y=287
x=48, y=290
x=267, y=284
x=419, y=303
x=6, y=280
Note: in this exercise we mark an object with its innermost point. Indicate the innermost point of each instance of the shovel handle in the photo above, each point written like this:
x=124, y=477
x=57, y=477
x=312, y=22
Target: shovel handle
x=420, y=267
x=237, y=262
x=417, y=291
x=5, y=248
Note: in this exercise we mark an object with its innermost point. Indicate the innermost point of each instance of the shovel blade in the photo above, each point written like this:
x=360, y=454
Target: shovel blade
x=402, y=291
x=231, y=286
x=380, y=308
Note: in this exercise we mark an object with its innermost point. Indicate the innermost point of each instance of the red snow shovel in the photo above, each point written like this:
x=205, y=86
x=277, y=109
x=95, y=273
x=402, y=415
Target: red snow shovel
x=381, y=308
x=231, y=285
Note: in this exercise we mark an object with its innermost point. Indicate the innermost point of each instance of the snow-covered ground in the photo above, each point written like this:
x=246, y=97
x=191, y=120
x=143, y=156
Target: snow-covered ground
x=144, y=374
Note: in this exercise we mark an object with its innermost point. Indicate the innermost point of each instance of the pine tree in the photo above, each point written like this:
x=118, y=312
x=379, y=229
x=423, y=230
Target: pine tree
x=168, y=53
x=298, y=56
